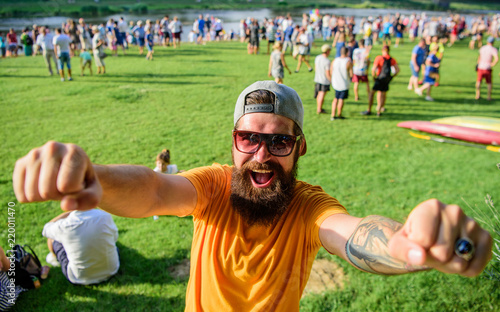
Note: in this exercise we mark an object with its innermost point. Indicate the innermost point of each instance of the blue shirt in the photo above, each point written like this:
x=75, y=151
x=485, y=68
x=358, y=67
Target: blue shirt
x=386, y=28
x=139, y=31
x=288, y=33
x=420, y=54
x=150, y=39
x=201, y=24
x=434, y=60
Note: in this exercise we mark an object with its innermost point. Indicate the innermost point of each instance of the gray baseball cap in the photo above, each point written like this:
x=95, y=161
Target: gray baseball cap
x=287, y=103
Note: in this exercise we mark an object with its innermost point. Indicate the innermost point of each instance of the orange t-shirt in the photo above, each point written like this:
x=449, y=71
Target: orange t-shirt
x=379, y=62
x=235, y=267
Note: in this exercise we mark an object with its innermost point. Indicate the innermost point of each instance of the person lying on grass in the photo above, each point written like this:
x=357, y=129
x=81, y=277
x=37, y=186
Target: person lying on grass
x=257, y=229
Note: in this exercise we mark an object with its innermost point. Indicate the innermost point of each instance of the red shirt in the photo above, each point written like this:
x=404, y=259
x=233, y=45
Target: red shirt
x=379, y=61
x=11, y=38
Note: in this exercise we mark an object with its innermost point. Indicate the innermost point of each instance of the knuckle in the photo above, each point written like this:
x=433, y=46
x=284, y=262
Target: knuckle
x=33, y=155
x=455, y=212
x=461, y=266
x=52, y=147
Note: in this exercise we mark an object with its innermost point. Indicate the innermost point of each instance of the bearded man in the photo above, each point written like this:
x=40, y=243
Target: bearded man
x=257, y=229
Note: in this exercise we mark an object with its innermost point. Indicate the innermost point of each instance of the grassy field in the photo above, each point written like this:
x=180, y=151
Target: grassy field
x=184, y=100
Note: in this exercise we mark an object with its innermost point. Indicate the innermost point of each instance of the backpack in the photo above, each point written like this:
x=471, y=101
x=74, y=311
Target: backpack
x=29, y=41
x=27, y=266
x=385, y=73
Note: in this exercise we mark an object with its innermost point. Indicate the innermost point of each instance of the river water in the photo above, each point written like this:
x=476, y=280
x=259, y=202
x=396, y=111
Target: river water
x=230, y=18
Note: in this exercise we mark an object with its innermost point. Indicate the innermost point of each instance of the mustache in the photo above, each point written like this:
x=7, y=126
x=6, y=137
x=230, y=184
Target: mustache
x=254, y=165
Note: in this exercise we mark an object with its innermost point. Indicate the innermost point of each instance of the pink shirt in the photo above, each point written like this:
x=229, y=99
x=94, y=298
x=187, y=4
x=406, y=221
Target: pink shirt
x=486, y=54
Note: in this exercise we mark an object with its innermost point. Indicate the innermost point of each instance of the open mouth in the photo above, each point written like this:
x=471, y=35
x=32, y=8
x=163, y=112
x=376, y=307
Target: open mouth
x=261, y=178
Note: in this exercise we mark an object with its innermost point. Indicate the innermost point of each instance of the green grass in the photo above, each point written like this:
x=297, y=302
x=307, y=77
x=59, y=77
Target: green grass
x=184, y=100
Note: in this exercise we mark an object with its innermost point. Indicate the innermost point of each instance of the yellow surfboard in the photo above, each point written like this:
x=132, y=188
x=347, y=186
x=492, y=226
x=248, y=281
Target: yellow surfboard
x=485, y=123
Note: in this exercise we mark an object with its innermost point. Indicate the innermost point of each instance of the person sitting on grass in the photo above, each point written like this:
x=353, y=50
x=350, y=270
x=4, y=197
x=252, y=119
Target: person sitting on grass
x=83, y=244
x=9, y=291
x=257, y=228
x=85, y=61
x=163, y=163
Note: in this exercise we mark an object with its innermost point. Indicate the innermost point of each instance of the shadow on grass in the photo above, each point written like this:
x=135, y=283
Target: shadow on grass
x=140, y=285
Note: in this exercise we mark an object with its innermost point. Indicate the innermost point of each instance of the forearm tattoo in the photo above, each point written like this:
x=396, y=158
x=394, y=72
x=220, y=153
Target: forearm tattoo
x=367, y=247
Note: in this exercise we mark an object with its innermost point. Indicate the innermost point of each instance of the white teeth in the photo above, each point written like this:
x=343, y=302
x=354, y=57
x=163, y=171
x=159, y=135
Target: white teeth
x=262, y=171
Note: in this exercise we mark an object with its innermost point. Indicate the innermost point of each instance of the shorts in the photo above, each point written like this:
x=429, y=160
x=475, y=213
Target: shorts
x=3, y=51
x=61, y=257
x=98, y=60
x=85, y=62
x=166, y=35
x=201, y=33
x=357, y=78
x=12, y=47
x=141, y=41
x=399, y=35
x=271, y=41
x=342, y=95
x=386, y=36
x=177, y=35
x=484, y=73
x=429, y=80
x=64, y=58
x=217, y=33
x=368, y=42
x=320, y=87
x=149, y=47
x=381, y=84
x=414, y=73
x=254, y=42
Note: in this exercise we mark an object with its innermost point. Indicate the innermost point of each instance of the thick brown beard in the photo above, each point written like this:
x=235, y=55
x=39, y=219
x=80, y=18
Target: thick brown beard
x=262, y=206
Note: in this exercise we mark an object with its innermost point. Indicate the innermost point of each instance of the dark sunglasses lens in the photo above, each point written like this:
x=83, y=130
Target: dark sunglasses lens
x=247, y=142
x=281, y=145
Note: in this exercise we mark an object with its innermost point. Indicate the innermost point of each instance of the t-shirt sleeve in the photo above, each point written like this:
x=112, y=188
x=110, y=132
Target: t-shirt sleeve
x=210, y=183
x=317, y=206
x=52, y=229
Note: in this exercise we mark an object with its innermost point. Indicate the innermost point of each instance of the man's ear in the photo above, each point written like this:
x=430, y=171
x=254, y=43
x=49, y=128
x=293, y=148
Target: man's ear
x=303, y=147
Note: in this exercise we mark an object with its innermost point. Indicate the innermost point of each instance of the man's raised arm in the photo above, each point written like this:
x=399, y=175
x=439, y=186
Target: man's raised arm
x=64, y=172
x=427, y=240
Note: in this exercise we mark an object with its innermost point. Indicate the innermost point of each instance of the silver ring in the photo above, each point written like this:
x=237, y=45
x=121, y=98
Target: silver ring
x=464, y=248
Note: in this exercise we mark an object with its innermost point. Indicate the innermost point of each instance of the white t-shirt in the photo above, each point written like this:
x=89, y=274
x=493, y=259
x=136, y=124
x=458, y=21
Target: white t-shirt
x=62, y=41
x=171, y=169
x=45, y=41
x=321, y=64
x=486, y=54
x=340, y=75
x=89, y=239
x=175, y=26
x=360, y=57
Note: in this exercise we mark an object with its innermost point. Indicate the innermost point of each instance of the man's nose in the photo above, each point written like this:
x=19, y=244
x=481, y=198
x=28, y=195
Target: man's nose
x=262, y=155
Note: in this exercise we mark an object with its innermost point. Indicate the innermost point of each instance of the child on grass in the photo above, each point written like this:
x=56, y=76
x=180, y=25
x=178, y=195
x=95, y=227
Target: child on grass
x=163, y=165
x=149, y=44
x=85, y=61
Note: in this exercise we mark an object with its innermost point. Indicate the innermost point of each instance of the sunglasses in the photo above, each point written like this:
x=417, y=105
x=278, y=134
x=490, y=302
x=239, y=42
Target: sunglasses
x=277, y=144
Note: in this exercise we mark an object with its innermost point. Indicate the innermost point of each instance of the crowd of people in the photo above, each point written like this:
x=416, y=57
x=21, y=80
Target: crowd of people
x=93, y=43
x=433, y=34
